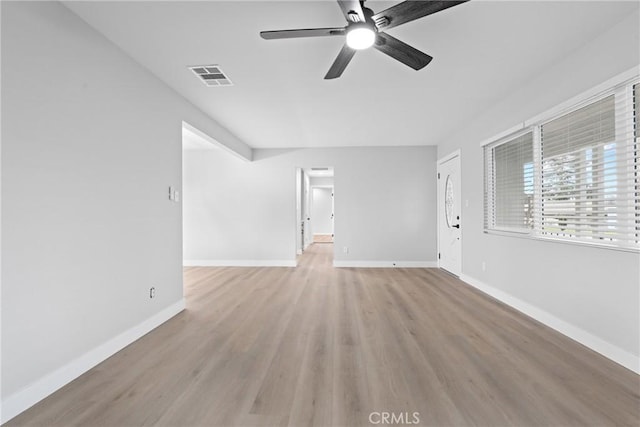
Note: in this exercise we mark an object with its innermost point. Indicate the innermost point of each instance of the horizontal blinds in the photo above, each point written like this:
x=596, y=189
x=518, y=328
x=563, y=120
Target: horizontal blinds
x=636, y=105
x=582, y=128
x=489, y=206
x=575, y=177
x=588, y=187
x=635, y=146
x=509, y=184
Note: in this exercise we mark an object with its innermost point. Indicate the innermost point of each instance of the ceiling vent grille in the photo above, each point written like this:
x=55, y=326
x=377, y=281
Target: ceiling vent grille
x=211, y=75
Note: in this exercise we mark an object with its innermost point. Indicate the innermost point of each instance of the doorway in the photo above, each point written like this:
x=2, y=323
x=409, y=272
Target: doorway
x=449, y=214
x=314, y=207
x=322, y=214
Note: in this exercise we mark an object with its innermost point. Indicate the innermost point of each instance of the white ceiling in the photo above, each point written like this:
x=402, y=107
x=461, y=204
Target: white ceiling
x=482, y=50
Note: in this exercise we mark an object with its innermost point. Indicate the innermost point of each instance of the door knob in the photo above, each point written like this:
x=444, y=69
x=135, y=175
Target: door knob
x=456, y=226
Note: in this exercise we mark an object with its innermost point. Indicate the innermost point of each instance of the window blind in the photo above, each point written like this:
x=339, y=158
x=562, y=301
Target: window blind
x=636, y=109
x=574, y=176
x=509, y=185
x=588, y=187
x=636, y=149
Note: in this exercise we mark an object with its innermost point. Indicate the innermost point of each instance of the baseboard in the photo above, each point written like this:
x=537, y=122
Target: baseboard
x=608, y=350
x=385, y=264
x=239, y=263
x=29, y=396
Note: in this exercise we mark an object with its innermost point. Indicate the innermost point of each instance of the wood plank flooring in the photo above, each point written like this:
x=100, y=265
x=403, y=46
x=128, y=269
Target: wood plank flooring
x=314, y=345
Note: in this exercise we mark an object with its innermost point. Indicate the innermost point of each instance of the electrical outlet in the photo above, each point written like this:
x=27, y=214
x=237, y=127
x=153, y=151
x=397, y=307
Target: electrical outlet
x=152, y=292
x=484, y=266
x=345, y=250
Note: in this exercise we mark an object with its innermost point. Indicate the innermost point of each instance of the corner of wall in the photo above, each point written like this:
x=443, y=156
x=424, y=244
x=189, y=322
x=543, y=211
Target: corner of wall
x=32, y=394
x=585, y=338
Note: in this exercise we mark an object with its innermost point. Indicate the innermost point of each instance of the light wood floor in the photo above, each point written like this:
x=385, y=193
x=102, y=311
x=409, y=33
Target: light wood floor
x=315, y=345
x=323, y=238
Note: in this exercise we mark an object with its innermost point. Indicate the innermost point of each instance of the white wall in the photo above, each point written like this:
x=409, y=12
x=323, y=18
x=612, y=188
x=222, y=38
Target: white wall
x=237, y=211
x=90, y=144
x=590, y=293
x=321, y=181
x=322, y=208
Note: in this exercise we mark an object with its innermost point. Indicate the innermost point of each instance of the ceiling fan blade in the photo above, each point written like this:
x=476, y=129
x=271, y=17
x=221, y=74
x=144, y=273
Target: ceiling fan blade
x=351, y=9
x=401, y=51
x=311, y=32
x=408, y=11
x=341, y=62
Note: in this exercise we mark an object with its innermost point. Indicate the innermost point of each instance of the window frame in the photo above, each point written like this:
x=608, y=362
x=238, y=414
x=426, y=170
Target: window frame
x=616, y=86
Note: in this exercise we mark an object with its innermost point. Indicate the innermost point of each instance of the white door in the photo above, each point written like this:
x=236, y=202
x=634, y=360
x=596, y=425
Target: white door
x=333, y=216
x=322, y=214
x=299, y=217
x=449, y=214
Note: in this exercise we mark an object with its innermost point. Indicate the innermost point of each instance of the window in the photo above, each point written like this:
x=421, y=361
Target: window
x=580, y=174
x=510, y=165
x=636, y=152
x=573, y=176
x=636, y=109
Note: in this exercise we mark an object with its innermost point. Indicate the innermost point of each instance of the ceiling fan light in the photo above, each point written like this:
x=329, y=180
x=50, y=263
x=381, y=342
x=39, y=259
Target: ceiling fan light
x=360, y=38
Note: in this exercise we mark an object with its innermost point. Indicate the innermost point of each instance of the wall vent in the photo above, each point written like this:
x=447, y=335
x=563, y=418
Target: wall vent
x=211, y=75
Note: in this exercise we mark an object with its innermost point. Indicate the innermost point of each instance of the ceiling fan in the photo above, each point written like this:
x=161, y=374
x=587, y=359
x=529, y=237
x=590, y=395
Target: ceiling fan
x=365, y=29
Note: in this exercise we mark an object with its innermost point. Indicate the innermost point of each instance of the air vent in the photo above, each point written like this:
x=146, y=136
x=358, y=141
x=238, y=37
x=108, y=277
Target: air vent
x=211, y=75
